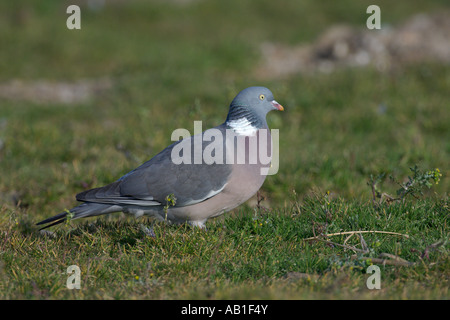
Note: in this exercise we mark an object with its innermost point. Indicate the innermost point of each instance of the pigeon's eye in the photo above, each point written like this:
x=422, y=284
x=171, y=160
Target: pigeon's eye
x=261, y=97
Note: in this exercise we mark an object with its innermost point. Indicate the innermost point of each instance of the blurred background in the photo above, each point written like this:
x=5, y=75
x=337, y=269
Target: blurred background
x=79, y=108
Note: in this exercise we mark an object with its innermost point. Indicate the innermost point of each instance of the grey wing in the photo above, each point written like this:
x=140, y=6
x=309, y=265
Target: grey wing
x=153, y=181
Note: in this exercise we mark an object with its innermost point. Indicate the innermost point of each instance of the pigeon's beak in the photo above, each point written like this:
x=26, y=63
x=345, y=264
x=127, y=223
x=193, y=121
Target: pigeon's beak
x=277, y=106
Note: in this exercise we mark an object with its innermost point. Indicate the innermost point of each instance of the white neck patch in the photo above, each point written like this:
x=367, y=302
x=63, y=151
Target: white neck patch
x=242, y=127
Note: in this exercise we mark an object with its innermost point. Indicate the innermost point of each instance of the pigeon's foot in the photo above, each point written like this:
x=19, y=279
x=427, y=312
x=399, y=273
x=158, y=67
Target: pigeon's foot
x=198, y=223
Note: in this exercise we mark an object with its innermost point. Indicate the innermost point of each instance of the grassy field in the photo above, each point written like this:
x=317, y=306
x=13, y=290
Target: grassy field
x=163, y=64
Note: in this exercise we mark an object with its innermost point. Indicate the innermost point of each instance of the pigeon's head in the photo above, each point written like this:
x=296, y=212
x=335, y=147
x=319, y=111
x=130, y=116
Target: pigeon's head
x=253, y=104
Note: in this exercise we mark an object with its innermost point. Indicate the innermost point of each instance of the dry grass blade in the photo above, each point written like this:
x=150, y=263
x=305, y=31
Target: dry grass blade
x=393, y=257
x=351, y=233
x=393, y=262
x=363, y=242
x=431, y=247
x=340, y=245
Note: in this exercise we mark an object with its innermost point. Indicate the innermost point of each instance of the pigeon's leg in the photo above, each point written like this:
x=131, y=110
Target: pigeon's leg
x=147, y=230
x=198, y=223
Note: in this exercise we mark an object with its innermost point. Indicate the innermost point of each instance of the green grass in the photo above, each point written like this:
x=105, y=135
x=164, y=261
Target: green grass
x=172, y=64
x=237, y=257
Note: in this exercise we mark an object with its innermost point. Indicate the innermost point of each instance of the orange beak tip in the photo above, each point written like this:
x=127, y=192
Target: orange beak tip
x=277, y=106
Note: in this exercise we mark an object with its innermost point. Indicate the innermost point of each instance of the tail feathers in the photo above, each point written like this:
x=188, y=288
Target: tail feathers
x=83, y=210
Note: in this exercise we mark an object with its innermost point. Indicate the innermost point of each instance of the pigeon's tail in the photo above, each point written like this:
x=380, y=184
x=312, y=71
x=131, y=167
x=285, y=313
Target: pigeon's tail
x=87, y=209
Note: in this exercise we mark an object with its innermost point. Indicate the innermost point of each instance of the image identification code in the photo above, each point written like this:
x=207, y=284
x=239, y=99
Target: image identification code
x=230, y=309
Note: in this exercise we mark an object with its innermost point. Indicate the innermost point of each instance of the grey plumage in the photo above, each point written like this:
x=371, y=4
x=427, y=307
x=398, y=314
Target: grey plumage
x=200, y=190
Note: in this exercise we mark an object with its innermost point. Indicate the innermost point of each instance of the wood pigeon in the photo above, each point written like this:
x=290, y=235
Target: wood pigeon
x=196, y=178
